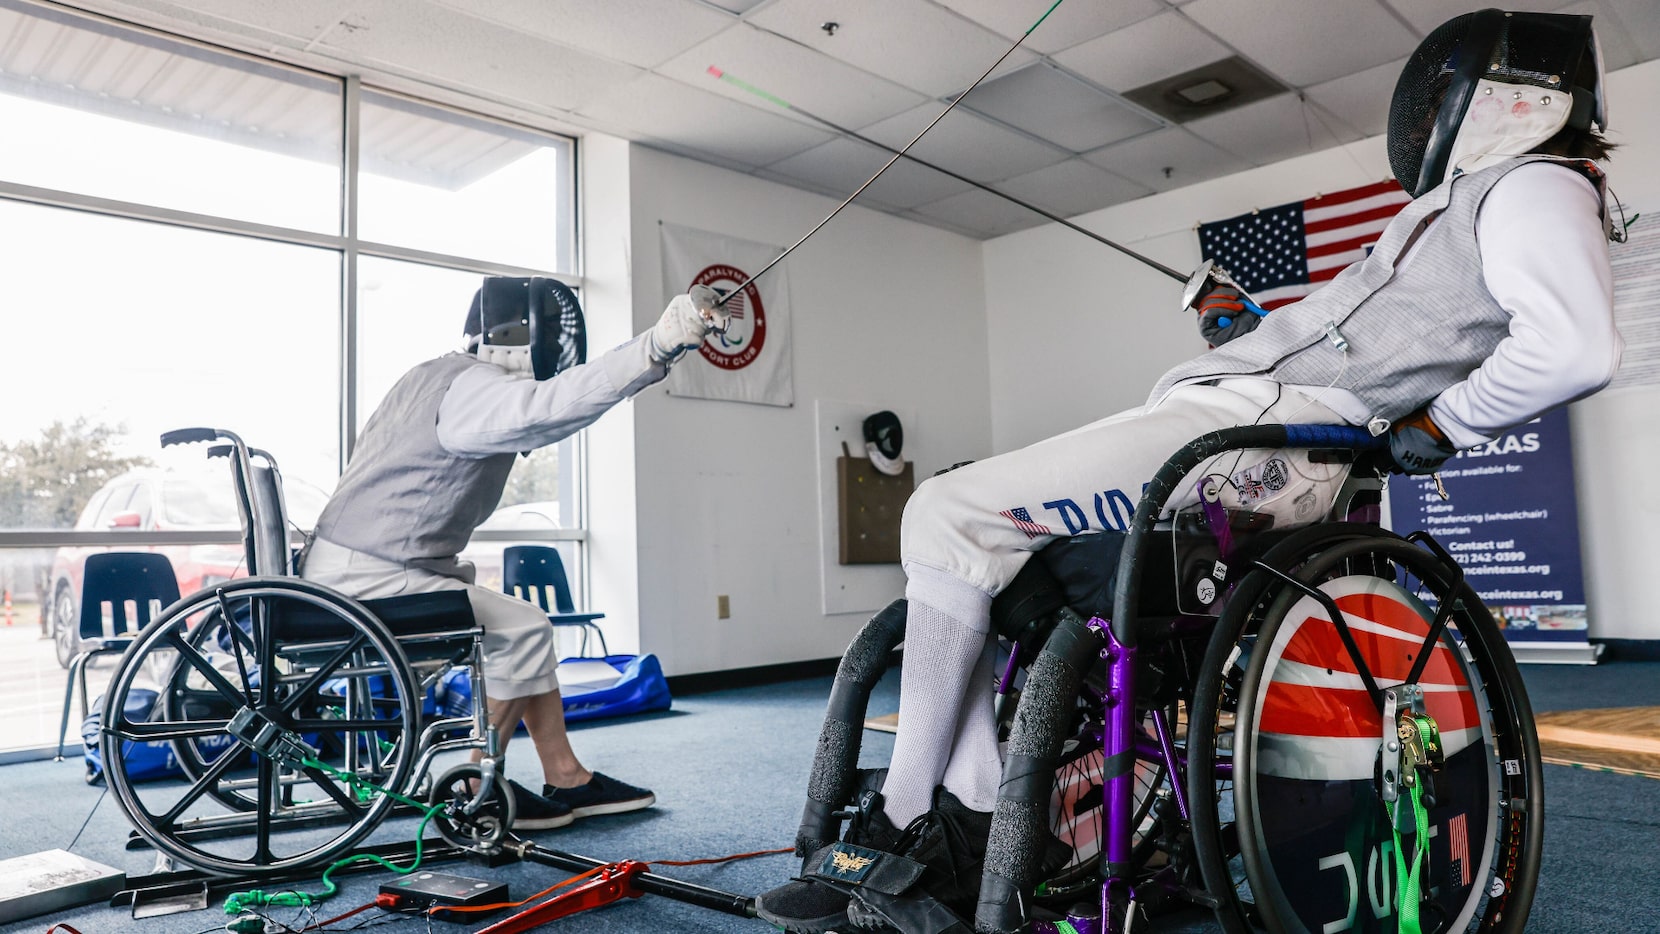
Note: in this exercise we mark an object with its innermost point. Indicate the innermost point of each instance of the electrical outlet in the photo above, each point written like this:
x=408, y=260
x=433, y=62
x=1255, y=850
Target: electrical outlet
x=723, y=607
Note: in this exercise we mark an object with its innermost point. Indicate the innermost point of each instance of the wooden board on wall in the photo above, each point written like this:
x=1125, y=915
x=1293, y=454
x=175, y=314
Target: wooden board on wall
x=869, y=505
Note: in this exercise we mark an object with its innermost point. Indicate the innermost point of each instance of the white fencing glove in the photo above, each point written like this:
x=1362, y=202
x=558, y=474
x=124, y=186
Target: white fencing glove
x=688, y=320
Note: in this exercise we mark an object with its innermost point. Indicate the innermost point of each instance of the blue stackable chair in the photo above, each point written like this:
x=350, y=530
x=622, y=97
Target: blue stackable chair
x=115, y=578
x=529, y=572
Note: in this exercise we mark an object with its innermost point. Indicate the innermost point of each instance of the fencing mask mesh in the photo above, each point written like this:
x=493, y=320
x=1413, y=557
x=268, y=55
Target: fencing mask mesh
x=532, y=325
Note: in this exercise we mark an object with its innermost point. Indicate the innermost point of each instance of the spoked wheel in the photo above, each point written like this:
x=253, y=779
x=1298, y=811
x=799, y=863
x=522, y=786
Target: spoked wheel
x=487, y=826
x=1284, y=747
x=277, y=688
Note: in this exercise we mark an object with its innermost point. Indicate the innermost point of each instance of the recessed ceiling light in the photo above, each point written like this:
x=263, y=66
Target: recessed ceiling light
x=1204, y=92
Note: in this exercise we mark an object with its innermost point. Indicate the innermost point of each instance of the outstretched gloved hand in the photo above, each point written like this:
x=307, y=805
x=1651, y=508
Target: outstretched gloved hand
x=688, y=320
x=1225, y=314
x=1417, y=445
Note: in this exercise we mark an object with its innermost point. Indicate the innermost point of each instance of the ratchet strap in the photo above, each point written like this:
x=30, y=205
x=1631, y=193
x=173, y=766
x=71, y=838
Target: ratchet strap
x=1420, y=748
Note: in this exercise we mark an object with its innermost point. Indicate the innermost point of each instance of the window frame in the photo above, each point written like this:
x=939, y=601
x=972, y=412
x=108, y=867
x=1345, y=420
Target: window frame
x=348, y=246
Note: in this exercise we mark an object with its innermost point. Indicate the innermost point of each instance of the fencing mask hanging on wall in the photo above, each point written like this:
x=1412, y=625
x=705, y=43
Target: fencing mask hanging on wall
x=884, y=439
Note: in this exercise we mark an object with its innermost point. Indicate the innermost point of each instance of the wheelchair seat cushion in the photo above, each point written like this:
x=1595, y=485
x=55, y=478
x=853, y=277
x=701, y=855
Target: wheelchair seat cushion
x=407, y=615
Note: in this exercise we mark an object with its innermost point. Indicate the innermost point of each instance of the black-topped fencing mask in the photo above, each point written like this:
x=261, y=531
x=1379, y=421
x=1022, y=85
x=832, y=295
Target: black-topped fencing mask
x=1489, y=85
x=528, y=325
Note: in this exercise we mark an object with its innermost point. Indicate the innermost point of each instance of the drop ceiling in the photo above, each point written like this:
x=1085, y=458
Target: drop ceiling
x=1054, y=125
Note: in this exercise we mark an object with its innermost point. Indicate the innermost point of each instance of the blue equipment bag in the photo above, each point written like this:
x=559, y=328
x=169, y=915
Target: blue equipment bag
x=638, y=687
x=144, y=761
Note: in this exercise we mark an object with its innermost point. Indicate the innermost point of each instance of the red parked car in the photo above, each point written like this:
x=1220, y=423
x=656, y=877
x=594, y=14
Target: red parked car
x=154, y=500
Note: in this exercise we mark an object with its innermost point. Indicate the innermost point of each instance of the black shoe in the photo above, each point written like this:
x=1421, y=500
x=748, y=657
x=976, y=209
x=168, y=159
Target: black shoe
x=819, y=904
x=949, y=843
x=531, y=811
x=602, y=795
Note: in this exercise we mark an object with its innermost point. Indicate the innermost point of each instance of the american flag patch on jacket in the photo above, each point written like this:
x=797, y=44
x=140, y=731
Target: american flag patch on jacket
x=1023, y=521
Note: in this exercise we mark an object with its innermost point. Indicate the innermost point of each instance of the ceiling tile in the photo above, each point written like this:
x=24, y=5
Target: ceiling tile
x=1306, y=43
x=1360, y=100
x=639, y=32
x=966, y=143
x=655, y=107
x=920, y=45
x=304, y=19
x=980, y=214
x=817, y=83
x=1425, y=15
x=1638, y=20
x=1619, y=46
x=842, y=165
x=1072, y=114
x=449, y=48
x=1149, y=51
x=1188, y=158
x=1074, y=187
x=1068, y=25
x=1277, y=128
x=736, y=6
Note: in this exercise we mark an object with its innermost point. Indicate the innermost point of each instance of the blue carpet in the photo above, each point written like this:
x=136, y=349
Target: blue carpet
x=730, y=768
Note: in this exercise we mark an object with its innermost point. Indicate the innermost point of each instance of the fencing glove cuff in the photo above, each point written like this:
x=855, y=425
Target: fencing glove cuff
x=1417, y=445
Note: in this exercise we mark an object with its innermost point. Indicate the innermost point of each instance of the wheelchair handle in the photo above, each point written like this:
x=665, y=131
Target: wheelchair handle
x=1180, y=464
x=188, y=436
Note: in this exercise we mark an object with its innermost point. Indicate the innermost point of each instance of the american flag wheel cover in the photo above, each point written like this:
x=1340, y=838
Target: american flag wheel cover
x=1305, y=772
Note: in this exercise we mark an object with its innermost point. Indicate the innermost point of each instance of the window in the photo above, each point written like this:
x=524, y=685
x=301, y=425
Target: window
x=175, y=227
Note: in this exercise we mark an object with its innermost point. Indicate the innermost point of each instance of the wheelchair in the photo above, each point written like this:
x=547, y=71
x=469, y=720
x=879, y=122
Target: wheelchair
x=293, y=710
x=1319, y=729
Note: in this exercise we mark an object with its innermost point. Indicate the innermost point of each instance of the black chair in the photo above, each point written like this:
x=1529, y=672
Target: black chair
x=115, y=579
x=530, y=572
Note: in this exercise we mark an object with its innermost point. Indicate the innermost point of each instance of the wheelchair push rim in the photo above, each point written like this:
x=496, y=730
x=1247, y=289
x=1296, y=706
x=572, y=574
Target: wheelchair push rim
x=250, y=805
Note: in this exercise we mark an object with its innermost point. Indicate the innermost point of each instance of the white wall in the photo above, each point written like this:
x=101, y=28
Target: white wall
x=1078, y=331
x=725, y=495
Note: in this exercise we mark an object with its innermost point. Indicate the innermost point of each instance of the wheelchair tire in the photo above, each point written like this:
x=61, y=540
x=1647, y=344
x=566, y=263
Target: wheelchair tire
x=248, y=808
x=485, y=829
x=1306, y=844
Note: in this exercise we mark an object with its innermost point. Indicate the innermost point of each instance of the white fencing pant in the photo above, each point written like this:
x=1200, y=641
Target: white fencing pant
x=519, y=653
x=979, y=523
x=965, y=534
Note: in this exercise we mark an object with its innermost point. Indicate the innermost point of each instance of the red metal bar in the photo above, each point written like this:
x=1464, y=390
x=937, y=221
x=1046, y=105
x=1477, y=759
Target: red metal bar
x=614, y=883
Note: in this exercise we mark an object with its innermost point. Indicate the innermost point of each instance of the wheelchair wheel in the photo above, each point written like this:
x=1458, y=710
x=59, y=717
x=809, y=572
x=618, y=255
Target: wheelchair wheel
x=487, y=827
x=277, y=689
x=1284, y=747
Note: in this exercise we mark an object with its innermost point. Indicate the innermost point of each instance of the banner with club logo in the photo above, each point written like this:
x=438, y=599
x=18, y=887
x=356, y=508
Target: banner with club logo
x=751, y=361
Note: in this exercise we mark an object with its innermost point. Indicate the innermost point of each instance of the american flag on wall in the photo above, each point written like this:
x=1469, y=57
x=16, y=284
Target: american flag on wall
x=1281, y=254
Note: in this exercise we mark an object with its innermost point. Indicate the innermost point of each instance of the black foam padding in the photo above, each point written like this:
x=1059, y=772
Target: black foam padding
x=1020, y=821
x=831, y=783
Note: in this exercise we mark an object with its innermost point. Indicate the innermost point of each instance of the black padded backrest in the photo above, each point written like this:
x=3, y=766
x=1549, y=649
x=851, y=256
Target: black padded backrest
x=415, y=614
x=272, y=555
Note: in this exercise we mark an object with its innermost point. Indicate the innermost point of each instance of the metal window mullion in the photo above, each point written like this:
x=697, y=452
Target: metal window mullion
x=129, y=210
x=351, y=100
x=460, y=263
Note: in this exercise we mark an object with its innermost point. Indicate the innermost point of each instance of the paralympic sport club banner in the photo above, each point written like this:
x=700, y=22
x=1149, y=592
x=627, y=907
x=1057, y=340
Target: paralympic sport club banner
x=751, y=361
x=1511, y=521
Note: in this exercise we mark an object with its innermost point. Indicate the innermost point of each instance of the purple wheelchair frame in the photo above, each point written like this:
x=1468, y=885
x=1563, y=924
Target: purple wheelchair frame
x=1072, y=650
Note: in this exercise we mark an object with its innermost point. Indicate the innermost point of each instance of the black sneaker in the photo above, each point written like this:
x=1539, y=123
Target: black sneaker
x=817, y=905
x=950, y=844
x=602, y=795
x=531, y=811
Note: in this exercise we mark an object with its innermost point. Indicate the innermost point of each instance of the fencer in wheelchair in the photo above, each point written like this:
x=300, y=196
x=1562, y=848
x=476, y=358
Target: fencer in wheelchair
x=1358, y=751
x=293, y=699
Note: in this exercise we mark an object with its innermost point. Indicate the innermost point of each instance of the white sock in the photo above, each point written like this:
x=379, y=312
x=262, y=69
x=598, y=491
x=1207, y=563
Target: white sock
x=976, y=766
x=945, y=635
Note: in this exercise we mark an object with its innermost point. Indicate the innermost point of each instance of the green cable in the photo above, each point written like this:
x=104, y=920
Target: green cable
x=1408, y=885
x=239, y=902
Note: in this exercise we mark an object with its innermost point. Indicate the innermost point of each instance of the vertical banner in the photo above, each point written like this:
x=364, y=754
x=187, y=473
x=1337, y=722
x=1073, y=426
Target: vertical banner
x=1511, y=521
x=751, y=361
